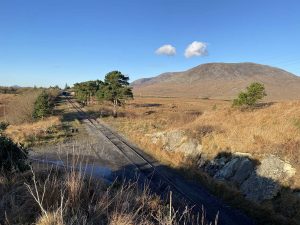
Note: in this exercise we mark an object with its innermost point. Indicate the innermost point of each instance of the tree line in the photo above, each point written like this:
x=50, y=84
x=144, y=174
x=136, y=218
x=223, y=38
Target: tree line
x=8, y=90
x=115, y=88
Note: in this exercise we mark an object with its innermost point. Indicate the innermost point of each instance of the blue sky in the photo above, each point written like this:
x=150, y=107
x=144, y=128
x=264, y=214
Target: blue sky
x=48, y=42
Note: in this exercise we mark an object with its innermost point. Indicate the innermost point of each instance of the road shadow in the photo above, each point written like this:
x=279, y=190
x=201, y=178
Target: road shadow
x=72, y=116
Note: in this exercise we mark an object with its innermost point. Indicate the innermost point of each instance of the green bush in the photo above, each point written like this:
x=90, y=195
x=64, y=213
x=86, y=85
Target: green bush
x=254, y=93
x=43, y=106
x=3, y=126
x=13, y=157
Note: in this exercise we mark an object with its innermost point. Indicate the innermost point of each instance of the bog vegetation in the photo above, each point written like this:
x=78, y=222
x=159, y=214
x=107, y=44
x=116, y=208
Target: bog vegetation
x=63, y=196
x=268, y=129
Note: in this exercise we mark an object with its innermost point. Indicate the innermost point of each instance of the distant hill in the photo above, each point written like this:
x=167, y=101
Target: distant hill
x=220, y=81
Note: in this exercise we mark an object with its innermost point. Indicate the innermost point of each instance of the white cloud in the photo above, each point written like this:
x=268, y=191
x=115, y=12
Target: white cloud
x=166, y=50
x=196, y=48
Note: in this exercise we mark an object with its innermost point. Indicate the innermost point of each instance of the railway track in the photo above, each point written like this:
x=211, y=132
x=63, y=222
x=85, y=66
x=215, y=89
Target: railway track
x=128, y=151
x=228, y=216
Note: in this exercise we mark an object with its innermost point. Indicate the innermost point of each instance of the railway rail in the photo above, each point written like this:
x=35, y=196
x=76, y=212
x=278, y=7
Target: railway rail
x=147, y=168
x=123, y=147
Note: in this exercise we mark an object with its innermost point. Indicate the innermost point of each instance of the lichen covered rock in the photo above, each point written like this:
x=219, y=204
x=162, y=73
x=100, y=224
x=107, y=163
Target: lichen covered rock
x=177, y=141
x=265, y=182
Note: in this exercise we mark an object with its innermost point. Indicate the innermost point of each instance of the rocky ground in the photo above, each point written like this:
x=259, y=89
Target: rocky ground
x=257, y=180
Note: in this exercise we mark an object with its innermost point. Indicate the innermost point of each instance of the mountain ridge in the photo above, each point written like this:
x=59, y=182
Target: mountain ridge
x=220, y=81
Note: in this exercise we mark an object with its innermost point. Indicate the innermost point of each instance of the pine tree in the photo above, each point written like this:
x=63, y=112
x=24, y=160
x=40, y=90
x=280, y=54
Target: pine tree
x=85, y=91
x=254, y=93
x=43, y=106
x=115, y=89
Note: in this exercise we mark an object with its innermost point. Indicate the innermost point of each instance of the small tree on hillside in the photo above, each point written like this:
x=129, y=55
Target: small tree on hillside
x=13, y=158
x=115, y=89
x=43, y=106
x=254, y=93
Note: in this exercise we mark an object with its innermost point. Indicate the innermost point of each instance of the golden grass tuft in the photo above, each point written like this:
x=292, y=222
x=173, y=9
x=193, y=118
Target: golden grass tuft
x=121, y=219
x=27, y=131
x=53, y=218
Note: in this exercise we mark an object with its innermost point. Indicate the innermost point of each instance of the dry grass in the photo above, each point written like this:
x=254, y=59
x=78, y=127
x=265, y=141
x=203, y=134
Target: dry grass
x=37, y=132
x=23, y=129
x=52, y=218
x=4, y=100
x=61, y=197
x=272, y=128
x=219, y=127
x=20, y=108
x=258, y=131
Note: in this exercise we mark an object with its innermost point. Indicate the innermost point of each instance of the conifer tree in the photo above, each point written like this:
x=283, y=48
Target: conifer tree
x=115, y=89
x=43, y=106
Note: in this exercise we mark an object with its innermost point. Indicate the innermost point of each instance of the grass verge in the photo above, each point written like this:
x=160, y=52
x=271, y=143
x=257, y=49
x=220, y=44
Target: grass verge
x=62, y=197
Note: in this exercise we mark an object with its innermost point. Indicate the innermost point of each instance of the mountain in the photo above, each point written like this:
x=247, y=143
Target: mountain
x=220, y=81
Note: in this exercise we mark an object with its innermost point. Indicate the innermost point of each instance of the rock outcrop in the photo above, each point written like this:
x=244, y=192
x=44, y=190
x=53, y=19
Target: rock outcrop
x=177, y=141
x=236, y=170
x=244, y=170
x=257, y=183
x=264, y=183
